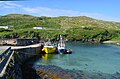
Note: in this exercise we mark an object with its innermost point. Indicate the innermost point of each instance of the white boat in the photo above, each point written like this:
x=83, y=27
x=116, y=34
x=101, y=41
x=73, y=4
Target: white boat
x=61, y=46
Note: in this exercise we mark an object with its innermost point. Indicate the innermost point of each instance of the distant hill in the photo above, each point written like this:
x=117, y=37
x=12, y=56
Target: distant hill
x=18, y=15
x=65, y=22
x=80, y=28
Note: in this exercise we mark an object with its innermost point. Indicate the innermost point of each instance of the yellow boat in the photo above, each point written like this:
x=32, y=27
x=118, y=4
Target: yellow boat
x=49, y=49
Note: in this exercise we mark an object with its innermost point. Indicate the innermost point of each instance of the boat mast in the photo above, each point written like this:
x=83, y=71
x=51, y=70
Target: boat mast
x=61, y=39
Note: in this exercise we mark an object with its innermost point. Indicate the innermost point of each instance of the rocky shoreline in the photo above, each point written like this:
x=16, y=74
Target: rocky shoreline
x=112, y=42
x=99, y=42
x=55, y=72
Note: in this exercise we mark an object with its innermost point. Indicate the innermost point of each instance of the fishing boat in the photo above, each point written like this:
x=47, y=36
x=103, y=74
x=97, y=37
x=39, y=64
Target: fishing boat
x=62, y=47
x=49, y=48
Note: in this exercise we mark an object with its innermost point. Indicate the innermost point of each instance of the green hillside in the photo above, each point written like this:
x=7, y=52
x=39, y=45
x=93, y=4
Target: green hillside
x=73, y=28
x=28, y=21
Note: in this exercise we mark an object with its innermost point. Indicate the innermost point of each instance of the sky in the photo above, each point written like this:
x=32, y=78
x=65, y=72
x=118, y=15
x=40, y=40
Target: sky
x=108, y=10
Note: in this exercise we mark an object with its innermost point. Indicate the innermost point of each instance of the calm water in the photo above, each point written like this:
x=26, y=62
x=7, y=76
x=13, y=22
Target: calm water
x=87, y=57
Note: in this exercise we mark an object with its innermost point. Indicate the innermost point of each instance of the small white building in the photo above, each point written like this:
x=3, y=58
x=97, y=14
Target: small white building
x=6, y=27
x=38, y=27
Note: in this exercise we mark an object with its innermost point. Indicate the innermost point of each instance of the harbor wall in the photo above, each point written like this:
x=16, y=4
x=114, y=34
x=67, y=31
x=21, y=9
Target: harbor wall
x=20, y=56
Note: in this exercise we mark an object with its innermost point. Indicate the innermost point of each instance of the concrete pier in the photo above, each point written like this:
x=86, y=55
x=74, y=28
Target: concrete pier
x=14, y=57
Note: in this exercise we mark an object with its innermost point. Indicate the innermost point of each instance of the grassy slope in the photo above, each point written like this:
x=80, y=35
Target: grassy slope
x=77, y=28
x=19, y=20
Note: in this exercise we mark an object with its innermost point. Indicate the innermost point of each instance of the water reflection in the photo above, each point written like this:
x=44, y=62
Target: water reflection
x=48, y=56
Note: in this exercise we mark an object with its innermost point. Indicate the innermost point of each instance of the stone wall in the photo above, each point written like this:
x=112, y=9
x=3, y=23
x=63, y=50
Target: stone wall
x=18, y=41
x=14, y=70
x=24, y=42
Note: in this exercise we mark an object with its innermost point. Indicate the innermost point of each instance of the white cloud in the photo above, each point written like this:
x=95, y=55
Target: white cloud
x=101, y=17
x=12, y=7
x=43, y=11
x=9, y=6
x=12, y=4
x=31, y=10
x=50, y=12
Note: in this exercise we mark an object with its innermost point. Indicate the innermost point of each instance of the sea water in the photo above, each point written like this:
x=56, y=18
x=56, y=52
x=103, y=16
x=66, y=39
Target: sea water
x=103, y=58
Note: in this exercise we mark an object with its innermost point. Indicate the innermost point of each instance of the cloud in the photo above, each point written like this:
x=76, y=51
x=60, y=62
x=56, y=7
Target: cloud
x=39, y=11
x=8, y=5
x=12, y=4
x=101, y=17
x=44, y=11
x=12, y=7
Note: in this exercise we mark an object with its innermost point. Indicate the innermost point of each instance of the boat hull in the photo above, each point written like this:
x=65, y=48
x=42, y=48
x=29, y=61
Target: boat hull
x=64, y=51
x=61, y=50
x=49, y=50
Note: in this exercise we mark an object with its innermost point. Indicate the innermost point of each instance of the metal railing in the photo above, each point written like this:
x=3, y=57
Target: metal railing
x=5, y=59
x=2, y=55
